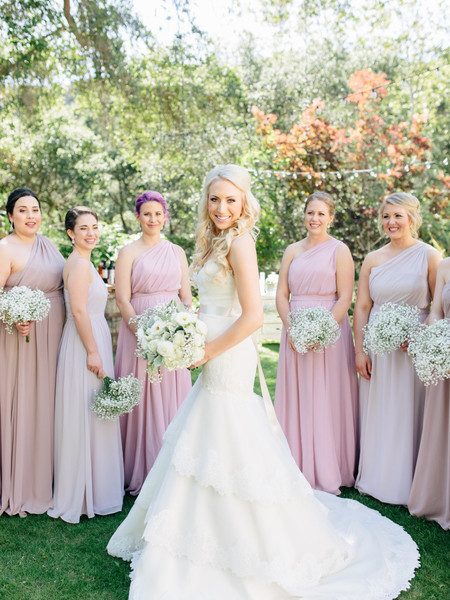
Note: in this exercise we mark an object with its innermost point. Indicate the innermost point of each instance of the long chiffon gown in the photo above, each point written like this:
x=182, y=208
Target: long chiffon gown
x=88, y=450
x=392, y=402
x=316, y=396
x=225, y=514
x=155, y=278
x=27, y=390
x=430, y=491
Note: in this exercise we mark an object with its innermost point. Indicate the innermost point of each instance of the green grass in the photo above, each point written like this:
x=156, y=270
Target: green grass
x=46, y=559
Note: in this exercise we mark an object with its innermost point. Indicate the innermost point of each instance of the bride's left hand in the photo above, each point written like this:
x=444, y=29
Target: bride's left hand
x=201, y=362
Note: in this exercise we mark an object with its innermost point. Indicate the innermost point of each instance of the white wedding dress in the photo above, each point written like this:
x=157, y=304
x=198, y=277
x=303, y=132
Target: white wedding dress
x=225, y=514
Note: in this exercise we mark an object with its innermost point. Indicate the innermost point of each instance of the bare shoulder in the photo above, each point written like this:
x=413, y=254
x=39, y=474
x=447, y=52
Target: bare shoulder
x=129, y=250
x=444, y=269
x=242, y=244
x=295, y=249
x=6, y=246
x=376, y=257
x=77, y=267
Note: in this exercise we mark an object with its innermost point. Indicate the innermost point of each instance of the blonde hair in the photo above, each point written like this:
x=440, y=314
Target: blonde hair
x=209, y=243
x=411, y=206
x=323, y=197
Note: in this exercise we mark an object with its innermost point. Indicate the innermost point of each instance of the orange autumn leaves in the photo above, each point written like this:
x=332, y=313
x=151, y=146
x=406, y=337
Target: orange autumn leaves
x=315, y=146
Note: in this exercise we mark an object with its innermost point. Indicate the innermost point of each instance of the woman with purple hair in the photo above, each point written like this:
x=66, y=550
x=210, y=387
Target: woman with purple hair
x=149, y=271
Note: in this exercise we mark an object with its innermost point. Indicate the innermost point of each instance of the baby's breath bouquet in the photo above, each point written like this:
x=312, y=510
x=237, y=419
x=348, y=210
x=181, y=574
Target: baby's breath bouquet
x=312, y=329
x=430, y=352
x=116, y=397
x=21, y=304
x=390, y=327
x=170, y=336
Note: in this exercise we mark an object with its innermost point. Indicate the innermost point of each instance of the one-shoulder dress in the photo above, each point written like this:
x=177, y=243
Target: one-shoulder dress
x=316, y=396
x=430, y=491
x=155, y=279
x=225, y=514
x=392, y=401
x=88, y=450
x=27, y=390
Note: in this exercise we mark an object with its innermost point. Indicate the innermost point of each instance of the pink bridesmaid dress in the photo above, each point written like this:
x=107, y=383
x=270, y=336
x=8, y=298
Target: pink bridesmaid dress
x=27, y=390
x=430, y=491
x=316, y=397
x=392, y=401
x=155, y=279
x=88, y=450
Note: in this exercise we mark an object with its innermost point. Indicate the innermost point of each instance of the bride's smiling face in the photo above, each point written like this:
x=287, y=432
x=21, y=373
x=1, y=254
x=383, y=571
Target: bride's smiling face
x=225, y=204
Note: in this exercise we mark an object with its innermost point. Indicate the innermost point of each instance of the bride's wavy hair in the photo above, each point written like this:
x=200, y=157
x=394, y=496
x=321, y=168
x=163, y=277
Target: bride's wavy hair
x=209, y=242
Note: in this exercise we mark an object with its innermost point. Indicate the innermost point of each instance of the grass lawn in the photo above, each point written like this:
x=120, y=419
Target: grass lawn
x=46, y=559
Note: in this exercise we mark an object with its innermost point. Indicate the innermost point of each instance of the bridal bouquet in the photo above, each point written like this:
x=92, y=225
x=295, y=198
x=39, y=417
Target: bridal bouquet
x=22, y=304
x=390, y=327
x=170, y=336
x=116, y=397
x=312, y=329
x=430, y=352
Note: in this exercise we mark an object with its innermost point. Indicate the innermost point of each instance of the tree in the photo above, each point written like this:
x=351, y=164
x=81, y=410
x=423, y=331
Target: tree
x=358, y=165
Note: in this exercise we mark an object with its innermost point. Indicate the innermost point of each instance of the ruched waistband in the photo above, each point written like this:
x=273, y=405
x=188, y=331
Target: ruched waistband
x=154, y=294
x=55, y=294
x=423, y=311
x=313, y=298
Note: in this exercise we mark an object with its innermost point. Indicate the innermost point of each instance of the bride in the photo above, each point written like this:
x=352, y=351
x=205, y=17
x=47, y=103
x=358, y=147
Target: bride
x=225, y=514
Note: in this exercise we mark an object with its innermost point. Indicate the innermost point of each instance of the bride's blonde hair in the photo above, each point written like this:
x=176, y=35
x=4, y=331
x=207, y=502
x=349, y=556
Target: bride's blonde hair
x=209, y=243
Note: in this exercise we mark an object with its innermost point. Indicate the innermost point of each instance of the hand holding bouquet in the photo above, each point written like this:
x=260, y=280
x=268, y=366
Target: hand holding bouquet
x=430, y=352
x=390, y=328
x=170, y=336
x=21, y=305
x=312, y=329
x=116, y=397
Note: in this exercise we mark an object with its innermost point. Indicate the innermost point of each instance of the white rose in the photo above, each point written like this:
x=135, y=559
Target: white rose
x=165, y=348
x=178, y=338
x=201, y=327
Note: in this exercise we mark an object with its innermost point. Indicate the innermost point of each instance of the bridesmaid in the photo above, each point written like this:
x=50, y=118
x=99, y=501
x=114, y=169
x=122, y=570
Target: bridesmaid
x=430, y=491
x=149, y=271
x=391, y=395
x=88, y=452
x=316, y=397
x=27, y=370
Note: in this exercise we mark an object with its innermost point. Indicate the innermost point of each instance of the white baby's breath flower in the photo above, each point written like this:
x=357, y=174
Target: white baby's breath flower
x=312, y=329
x=430, y=352
x=116, y=397
x=390, y=327
x=22, y=304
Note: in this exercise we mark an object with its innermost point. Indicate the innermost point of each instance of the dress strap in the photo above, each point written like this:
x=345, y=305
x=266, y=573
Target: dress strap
x=268, y=404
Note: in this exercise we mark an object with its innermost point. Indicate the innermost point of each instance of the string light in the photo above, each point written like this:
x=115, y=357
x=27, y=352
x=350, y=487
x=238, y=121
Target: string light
x=353, y=173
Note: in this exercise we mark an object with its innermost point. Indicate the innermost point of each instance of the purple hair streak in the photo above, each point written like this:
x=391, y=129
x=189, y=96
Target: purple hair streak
x=148, y=197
